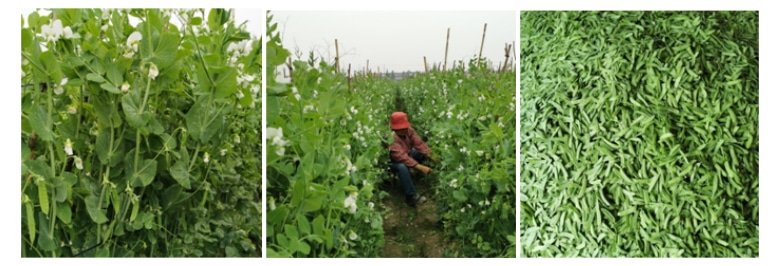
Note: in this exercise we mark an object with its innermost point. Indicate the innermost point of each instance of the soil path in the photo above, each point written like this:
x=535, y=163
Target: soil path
x=411, y=232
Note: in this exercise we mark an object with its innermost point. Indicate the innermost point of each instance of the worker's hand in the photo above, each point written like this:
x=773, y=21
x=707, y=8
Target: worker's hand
x=425, y=169
x=435, y=160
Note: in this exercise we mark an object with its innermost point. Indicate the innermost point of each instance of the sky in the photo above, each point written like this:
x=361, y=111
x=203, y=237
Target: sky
x=397, y=40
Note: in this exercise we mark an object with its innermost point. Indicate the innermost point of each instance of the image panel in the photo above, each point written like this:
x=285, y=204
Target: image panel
x=391, y=134
x=141, y=133
x=639, y=134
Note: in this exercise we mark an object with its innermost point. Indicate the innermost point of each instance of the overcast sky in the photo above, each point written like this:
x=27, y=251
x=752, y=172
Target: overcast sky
x=396, y=40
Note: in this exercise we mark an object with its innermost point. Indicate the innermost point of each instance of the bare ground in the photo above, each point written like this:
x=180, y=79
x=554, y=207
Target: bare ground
x=411, y=232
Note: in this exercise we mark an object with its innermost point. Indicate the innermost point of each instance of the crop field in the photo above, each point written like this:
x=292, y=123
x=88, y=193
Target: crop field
x=329, y=192
x=639, y=134
x=140, y=134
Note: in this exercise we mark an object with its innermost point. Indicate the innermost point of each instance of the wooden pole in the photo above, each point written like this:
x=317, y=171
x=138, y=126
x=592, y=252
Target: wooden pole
x=446, y=51
x=368, y=71
x=290, y=66
x=425, y=61
x=338, y=66
x=514, y=55
x=507, y=47
x=484, y=30
x=349, y=78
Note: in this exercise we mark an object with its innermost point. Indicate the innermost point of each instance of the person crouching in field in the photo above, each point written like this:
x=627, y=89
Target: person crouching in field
x=406, y=152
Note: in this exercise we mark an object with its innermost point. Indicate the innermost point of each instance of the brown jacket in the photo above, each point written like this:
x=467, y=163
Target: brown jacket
x=400, y=149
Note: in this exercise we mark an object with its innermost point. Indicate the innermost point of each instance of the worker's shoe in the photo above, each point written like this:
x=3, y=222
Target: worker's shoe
x=415, y=199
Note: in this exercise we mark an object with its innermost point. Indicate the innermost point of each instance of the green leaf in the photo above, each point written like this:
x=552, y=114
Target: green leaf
x=96, y=78
x=132, y=109
x=41, y=123
x=46, y=238
x=97, y=215
x=232, y=252
x=40, y=167
x=298, y=193
x=180, y=174
x=196, y=21
x=303, y=225
x=110, y=88
x=102, y=146
x=145, y=174
x=62, y=189
x=64, y=212
x=225, y=81
x=318, y=225
x=458, y=194
x=114, y=75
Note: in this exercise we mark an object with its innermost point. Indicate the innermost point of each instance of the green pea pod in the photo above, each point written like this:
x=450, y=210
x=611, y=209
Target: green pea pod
x=43, y=197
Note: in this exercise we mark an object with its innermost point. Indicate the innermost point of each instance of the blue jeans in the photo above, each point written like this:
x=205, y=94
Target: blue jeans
x=403, y=173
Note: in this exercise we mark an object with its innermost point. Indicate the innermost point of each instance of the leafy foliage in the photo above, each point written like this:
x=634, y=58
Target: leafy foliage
x=140, y=147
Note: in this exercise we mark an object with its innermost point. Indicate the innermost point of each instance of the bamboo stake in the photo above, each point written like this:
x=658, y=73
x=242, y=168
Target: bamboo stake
x=446, y=51
x=338, y=66
x=290, y=66
x=484, y=30
x=425, y=61
x=507, y=47
x=349, y=78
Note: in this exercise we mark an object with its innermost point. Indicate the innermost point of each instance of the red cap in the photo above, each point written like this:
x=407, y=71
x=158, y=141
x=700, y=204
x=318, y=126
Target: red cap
x=398, y=121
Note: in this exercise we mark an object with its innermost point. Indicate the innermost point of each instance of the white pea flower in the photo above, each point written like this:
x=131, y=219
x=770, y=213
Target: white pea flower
x=206, y=157
x=239, y=94
x=347, y=147
x=460, y=81
x=308, y=108
x=237, y=139
x=501, y=125
x=315, y=93
x=125, y=86
x=449, y=114
x=483, y=212
x=67, y=32
x=276, y=135
x=462, y=209
x=222, y=152
x=351, y=202
x=464, y=150
x=272, y=203
x=481, y=118
x=454, y=182
x=59, y=90
x=352, y=235
x=479, y=153
x=481, y=97
x=133, y=40
x=78, y=162
x=460, y=168
x=104, y=27
x=370, y=205
x=72, y=110
x=353, y=110
x=53, y=31
x=487, y=203
x=105, y=14
x=481, y=203
x=153, y=71
x=68, y=147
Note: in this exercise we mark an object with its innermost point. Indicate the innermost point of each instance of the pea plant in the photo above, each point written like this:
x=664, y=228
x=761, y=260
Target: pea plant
x=321, y=158
x=326, y=159
x=639, y=134
x=140, y=134
x=467, y=117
